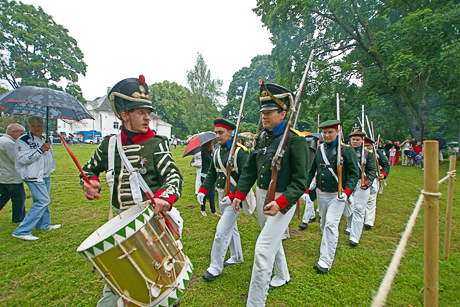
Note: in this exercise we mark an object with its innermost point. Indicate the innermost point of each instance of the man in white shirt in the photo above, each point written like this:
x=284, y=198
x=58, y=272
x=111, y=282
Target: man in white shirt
x=11, y=186
x=35, y=163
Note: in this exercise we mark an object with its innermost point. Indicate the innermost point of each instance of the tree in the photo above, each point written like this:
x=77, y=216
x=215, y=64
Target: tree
x=399, y=49
x=202, y=103
x=168, y=100
x=36, y=50
x=261, y=67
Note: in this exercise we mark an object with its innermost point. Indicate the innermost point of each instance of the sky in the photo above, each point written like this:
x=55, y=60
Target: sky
x=159, y=39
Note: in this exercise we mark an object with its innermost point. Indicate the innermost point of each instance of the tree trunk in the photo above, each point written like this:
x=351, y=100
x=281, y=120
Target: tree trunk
x=416, y=121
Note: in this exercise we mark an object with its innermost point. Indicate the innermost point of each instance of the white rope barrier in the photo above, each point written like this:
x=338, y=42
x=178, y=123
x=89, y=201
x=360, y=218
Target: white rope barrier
x=385, y=286
x=449, y=174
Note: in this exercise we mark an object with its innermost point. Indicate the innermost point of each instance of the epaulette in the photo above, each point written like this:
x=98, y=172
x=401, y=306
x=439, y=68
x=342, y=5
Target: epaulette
x=348, y=145
x=296, y=132
x=342, y=143
x=242, y=146
x=371, y=151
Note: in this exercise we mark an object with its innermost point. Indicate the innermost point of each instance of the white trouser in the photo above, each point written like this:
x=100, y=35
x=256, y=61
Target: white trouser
x=330, y=212
x=356, y=220
x=369, y=217
x=309, y=212
x=269, y=252
x=227, y=236
x=198, y=179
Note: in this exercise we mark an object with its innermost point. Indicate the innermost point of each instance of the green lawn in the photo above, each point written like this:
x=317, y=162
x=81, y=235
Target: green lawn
x=49, y=272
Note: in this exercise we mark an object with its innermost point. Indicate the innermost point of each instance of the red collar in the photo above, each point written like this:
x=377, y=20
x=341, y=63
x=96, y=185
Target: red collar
x=138, y=138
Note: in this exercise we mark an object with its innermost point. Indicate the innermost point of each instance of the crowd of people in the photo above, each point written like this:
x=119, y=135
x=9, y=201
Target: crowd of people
x=344, y=179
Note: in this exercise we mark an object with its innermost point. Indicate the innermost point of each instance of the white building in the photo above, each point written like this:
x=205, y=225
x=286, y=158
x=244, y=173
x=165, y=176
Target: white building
x=106, y=121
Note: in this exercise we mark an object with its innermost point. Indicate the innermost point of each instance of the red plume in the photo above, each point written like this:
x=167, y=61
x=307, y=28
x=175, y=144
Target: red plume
x=141, y=79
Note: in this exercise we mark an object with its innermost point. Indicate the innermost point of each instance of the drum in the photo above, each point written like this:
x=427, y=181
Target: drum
x=138, y=258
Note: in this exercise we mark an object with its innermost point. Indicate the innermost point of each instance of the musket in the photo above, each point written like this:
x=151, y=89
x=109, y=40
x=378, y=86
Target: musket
x=297, y=115
x=363, y=161
x=231, y=158
x=317, y=132
x=371, y=133
x=276, y=161
x=256, y=136
x=339, y=151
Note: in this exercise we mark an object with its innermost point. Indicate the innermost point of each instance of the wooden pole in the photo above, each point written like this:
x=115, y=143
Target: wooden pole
x=450, y=201
x=431, y=253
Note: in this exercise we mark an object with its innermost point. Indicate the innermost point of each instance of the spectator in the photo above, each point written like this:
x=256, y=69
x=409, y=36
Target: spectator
x=406, y=148
x=398, y=152
x=387, y=148
x=11, y=186
x=418, y=148
x=35, y=163
x=413, y=142
x=418, y=159
x=392, y=153
x=410, y=158
x=442, y=145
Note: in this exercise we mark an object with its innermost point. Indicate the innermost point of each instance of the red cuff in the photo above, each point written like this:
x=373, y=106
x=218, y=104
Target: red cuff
x=384, y=174
x=307, y=191
x=158, y=193
x=172, y=200
x=231, y=196
x=94, y=178
x=282, y=201
x=240, y=195
x=203, y=190
x=347, y=191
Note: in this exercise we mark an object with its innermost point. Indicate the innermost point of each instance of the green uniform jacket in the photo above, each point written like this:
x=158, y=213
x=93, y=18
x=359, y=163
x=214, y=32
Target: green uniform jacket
x=370, y=169
x=325, y=181
x=292, y=176
x=218, y=175
x=162, y=175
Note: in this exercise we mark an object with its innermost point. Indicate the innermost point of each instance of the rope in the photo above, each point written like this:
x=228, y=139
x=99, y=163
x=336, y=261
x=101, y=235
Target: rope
x=450, y=174
x=431, y=193
x=385, y=286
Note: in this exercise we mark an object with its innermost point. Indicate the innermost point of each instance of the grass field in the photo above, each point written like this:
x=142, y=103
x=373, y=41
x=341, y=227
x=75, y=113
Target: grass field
x=49, y=272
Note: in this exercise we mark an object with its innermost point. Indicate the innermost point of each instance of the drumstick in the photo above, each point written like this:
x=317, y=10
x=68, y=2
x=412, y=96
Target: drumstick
x=168, y=222
x=75, y=160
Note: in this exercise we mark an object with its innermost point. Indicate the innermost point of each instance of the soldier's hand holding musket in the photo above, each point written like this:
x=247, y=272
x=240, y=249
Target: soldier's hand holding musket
x=272, y=208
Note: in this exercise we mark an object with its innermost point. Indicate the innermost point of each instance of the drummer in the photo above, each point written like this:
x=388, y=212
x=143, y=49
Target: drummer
x=148, y=153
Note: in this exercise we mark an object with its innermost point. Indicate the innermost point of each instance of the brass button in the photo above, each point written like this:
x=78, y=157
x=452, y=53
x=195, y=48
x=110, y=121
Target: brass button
x=124, y=148
x=122, y=180
x=263, y=166
x=142, y=147
x=261, y=176
x=121, y=192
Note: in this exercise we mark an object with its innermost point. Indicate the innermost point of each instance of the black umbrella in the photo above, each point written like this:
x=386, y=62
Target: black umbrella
x=194, y=145
x=43, y=102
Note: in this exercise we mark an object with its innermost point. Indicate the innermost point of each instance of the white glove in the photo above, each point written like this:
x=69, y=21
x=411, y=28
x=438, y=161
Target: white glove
x=225, y=201
x=200, y=198
x=305, y=197
x=343, y=198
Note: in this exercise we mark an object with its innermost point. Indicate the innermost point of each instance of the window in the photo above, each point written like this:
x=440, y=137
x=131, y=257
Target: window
x=116, y=125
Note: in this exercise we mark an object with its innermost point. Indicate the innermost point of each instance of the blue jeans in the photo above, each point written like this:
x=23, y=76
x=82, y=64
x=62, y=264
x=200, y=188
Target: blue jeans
x=15, y=192
x=39, y=216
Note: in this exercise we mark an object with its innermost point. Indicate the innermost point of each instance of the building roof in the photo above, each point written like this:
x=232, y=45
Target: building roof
x=103, y=105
